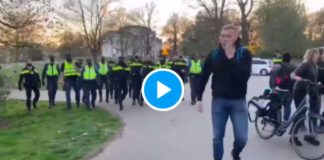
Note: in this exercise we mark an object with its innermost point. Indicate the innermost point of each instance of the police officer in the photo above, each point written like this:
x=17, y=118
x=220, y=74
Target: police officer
x=111, y=64
x=136, y=70
x=103, y=79
x=71, y=73
x=52, y=72
x=195, y=69
x=130, y=85
x=79, y=66
x=120, y=81
x=30, y=80
x=148, y=66
x=163, y=64
x=180, y=67
x=89, y=84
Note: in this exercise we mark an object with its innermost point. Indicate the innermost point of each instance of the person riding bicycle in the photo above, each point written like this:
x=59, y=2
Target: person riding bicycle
x=306, y=71
x=283, y=81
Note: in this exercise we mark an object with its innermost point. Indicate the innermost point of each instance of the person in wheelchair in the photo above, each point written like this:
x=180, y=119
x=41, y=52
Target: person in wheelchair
x=307, y=70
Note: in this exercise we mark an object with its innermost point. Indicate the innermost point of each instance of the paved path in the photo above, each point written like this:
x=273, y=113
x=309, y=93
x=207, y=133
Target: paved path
x=182, y=134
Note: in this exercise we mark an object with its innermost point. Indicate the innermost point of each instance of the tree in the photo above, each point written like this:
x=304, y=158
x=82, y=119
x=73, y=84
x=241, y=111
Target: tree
x=23, y=23
x=72, y=43
x=245, y=9
x=174, y=30
x=282, y=25
x=214, y=10
x=90, y=17
x=144, y=16
x=316, y=27
x=202, y=37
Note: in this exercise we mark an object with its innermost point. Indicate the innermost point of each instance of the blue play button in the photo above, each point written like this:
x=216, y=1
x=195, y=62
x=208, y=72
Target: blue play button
x=162, y=90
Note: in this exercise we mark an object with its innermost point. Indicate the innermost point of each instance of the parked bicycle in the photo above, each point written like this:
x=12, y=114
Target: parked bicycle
x=306, y=125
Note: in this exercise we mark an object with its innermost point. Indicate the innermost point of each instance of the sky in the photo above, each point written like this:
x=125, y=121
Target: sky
x=166, y=7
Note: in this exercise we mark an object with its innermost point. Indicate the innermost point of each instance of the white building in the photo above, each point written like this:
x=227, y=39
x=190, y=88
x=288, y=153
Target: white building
x=131, y=41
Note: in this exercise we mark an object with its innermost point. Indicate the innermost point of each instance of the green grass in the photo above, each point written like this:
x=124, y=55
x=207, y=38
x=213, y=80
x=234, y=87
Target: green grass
x=54, y=134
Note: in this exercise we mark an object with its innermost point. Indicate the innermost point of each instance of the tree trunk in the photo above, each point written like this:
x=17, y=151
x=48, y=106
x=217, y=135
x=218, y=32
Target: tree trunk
x=245, y=31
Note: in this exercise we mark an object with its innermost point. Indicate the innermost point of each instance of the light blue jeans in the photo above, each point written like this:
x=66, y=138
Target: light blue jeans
x=222, y=109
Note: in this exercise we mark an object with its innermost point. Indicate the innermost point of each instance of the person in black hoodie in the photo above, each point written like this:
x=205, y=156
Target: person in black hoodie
x=283, y=81
x=230, y=65
x=30, y=80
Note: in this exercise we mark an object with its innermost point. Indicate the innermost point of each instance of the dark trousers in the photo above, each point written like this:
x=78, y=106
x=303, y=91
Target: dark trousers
x=194, y=85
x=130, y=87
x=90, y=88
x=68, y=85
x=136, y=86
x=103, y=82
x=299, y=96
x=111, y=87
x=29, y=90
x=287, y=99
x=121, y=93
x=52, y=87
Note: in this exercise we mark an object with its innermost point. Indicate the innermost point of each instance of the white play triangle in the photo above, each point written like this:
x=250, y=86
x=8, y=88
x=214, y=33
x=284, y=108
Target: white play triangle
x=162, y=89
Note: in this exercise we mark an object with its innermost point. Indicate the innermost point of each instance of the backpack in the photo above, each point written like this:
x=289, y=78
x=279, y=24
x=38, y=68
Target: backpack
x=282, y=77
x=239, y=55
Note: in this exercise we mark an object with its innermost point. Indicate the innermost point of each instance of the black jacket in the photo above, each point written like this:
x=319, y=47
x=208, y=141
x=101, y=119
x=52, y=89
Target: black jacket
x=230, y=76
x=306, y=71
x=29, y=78
x=282, y=76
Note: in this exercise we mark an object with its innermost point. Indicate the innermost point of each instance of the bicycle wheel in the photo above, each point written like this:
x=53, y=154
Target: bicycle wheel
x=266, y=126
x=311, y=136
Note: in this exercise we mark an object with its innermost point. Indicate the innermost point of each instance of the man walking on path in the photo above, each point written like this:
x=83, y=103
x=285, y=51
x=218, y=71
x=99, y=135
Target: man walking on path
x=30, y=80
x=71, y=76
x=89, y=84
x=195, y=68
x=51, y=72
x=103, y=79
x=230, y=65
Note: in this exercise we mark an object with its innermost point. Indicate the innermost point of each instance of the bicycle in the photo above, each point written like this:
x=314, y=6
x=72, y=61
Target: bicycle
x=303, y=120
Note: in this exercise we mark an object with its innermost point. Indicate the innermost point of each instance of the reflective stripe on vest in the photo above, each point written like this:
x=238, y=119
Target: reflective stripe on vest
x=195, y=67
x=69, y=69
x=136, y=64
x=103, y=69
x=117, y=68
x=89, y=73
x=52, y=70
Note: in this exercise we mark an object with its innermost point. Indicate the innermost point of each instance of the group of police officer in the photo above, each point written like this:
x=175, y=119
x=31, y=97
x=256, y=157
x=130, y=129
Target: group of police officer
x=118, y=79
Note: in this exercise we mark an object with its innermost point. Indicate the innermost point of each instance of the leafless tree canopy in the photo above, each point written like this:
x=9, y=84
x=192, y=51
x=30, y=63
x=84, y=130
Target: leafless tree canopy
x=90, y=17
x=22, y=22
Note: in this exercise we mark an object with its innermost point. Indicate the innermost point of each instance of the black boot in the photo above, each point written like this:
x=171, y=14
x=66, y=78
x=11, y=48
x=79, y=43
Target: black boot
x=100, y=100
x=235, y=156
x=35, y=105
x=107, y=100
x=312, y=140
x=121, y=107
x=134, y=103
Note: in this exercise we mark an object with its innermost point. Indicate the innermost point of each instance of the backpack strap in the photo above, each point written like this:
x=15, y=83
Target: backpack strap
x=215, y=54
x=238, y=54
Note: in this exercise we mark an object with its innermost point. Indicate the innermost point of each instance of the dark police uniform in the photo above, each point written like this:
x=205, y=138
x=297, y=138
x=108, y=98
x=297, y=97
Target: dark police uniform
x=30, y=80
